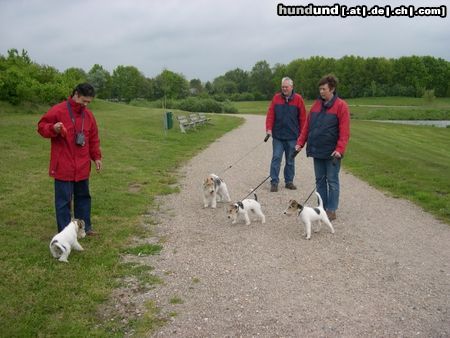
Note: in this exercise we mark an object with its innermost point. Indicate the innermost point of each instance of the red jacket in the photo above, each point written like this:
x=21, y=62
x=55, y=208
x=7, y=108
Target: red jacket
x=327, y=128
x=68, y=161
x=286, y=116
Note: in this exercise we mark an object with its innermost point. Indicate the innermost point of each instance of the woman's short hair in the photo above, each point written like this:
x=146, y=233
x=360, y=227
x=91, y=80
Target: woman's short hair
x=329, y=79
x=84, y=89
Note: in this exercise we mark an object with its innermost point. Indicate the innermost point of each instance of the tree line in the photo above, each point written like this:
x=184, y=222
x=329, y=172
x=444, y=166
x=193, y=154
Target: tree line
x=22, y=80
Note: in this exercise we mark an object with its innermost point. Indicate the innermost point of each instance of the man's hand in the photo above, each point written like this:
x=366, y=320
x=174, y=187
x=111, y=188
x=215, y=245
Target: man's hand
x=298, y=148
x=98, y=165
x=336, y=154
x=60, y=129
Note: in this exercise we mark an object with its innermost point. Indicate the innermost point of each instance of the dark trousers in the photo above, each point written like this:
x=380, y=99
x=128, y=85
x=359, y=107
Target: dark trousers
x=64, y=191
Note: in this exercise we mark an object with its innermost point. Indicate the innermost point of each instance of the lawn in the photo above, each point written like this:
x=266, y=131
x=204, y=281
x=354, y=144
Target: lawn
x=411, y=162
x=43, y=297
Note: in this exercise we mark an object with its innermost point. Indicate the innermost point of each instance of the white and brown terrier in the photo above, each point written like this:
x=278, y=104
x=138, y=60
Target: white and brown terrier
x=63, y=242
x=244, y=208
x=214, y=190
x=308, y=215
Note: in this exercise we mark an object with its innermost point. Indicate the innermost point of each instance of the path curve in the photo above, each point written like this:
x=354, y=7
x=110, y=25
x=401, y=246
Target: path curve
x=385, y=272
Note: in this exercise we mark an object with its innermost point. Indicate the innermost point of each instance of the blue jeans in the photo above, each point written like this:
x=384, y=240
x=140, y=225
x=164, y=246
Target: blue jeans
x=327, y=182
x=64, y=190
x=280, y=147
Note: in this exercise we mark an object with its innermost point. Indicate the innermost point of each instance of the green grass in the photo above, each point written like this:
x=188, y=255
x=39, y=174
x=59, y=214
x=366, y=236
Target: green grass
x=399, y=101
x=411, y=162
x=176, y=300
x=139, y=160
x=252, y=107
x=145, y=249
x=374, y=108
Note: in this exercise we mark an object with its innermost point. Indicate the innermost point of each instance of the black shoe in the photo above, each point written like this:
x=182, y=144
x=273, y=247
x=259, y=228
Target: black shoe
x=290, y=186
x=273, y=187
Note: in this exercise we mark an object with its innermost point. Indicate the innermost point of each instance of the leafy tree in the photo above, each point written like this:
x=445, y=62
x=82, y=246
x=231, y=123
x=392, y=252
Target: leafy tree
x=100, y=79
x=222, y=85
x=410, y=76
x=126, y=83
x=75, y=75
x=240, y=78
x=438, y=74
x=171, y=85
x=261, y=79
x=278, y=72
x=195, y=87
x=209, y=87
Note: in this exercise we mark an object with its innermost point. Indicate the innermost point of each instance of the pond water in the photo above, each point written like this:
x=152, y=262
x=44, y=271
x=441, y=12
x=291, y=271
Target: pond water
x=438, y=123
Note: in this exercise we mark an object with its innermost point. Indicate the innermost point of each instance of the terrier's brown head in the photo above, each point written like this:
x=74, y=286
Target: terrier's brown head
x=208, y=184
x=79, y=223
x=233, y=209
x=293, y=208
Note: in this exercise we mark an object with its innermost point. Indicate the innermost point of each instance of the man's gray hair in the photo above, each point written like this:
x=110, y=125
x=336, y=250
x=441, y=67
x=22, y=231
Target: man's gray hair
x=291, y=83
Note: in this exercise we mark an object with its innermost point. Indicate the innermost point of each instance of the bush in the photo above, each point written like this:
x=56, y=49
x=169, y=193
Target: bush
x=192, y=104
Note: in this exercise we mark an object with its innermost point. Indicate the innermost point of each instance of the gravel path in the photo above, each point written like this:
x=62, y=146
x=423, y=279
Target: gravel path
x=385, y=272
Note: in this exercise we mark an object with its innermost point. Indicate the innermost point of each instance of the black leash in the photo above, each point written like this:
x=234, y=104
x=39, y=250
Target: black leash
x=245, y=155
x=312, y=192
x=335, y=159
x=251, y=192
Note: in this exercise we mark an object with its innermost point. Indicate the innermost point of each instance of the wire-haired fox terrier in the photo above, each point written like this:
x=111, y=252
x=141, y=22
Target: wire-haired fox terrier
x=244, y=208
x=308, y=215
x=214, y=189
x=63, y=242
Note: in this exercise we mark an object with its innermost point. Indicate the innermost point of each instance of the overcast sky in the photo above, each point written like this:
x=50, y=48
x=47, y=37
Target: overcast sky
x=204, y=39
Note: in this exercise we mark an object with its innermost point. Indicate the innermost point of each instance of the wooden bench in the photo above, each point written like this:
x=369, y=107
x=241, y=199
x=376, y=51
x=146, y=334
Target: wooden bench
x=185, y=123
x=195, y=119
x=204, y=118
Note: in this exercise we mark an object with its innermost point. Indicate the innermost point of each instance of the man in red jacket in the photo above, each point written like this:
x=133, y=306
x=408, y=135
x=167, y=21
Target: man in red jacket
x=285, y=118
x=74, y=143
x=326, y=132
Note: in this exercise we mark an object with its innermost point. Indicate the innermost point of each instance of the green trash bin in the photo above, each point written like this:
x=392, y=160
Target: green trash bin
x=168, y=120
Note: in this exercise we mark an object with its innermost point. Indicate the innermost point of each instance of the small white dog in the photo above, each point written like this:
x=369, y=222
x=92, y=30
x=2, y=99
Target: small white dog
x=63, y=242
x=308, y=215
x=214, y=189
x=244, y=208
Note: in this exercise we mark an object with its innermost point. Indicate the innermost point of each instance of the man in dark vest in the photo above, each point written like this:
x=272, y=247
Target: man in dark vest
x=284, y=121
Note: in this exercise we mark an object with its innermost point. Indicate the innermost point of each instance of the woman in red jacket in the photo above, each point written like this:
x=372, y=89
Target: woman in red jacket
x=74, y=143
x=326, y=132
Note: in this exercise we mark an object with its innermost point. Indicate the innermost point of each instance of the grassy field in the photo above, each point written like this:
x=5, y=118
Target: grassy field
x=42, y=297
x=411, y=162
x=371, y=108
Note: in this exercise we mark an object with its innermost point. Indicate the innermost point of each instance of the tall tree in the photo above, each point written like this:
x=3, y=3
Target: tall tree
x=126, y=83
x=261, y=79
x=100, y=79
x=240, y=78
x=171, y=85
x=195, y=87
